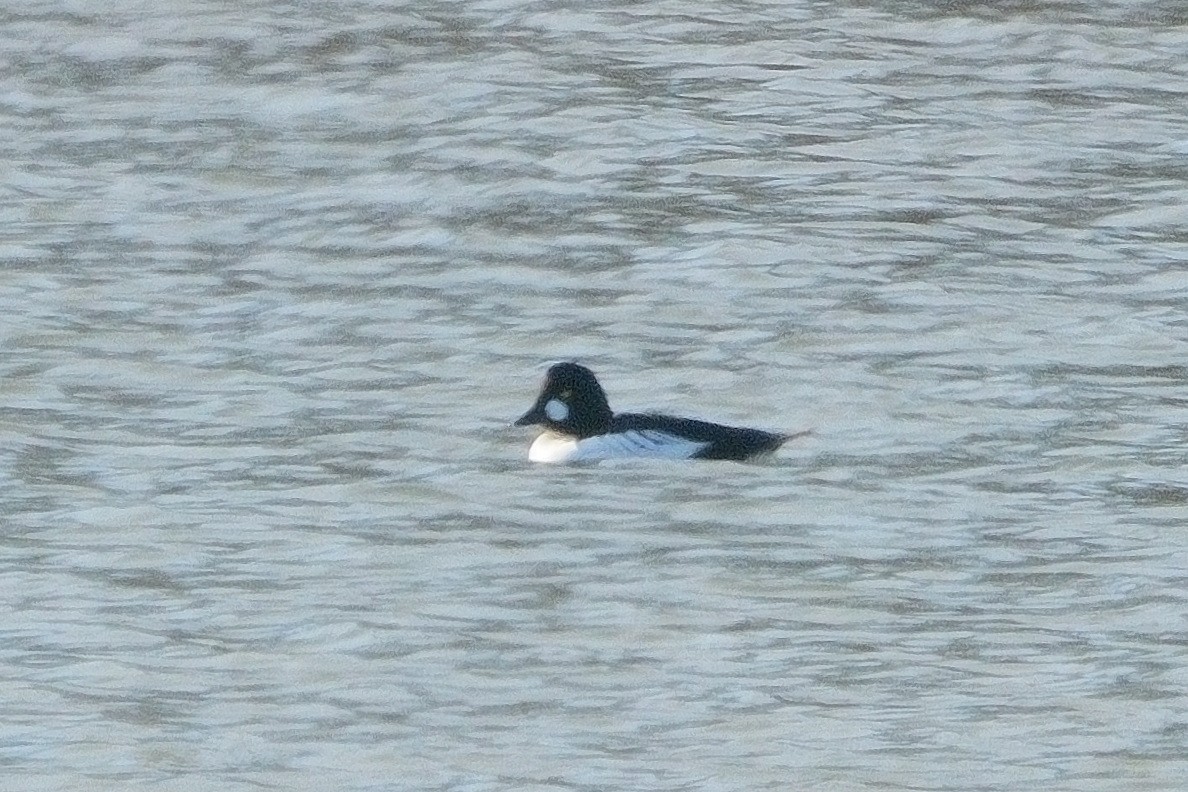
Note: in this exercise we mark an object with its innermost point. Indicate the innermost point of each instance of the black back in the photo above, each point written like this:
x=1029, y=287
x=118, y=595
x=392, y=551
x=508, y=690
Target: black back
x=725, y=442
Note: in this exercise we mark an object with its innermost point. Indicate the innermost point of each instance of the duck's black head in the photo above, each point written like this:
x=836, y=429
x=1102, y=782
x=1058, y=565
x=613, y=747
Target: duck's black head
x=571, y=402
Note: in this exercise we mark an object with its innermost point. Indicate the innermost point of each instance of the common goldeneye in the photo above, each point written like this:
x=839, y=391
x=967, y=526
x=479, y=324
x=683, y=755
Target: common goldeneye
x=579, y=425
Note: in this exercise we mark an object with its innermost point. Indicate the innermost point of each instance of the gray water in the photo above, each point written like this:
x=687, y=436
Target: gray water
x=275, y=278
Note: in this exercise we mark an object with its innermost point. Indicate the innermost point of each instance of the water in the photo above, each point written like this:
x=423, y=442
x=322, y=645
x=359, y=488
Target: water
x=276, y=278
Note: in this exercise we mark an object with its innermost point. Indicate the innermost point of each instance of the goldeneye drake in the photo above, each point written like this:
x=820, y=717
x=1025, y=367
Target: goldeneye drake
x=579, y=425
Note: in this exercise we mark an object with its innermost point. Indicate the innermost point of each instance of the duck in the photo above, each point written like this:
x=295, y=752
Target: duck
x=580, y=425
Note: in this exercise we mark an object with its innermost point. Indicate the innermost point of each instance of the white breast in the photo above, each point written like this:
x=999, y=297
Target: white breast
x=550, y=447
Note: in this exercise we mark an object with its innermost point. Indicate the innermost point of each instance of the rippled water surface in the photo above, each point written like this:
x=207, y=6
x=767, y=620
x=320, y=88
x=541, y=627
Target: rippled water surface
x=275, y=278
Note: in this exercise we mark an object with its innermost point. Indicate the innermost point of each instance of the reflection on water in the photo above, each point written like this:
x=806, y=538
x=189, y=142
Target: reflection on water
x=276, y=282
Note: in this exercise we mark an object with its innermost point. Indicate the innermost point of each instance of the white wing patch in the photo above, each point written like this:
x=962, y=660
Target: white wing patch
x=636, y=443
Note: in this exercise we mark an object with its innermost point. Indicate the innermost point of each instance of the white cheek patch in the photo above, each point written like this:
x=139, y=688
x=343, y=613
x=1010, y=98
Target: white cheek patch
x=556, y=410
